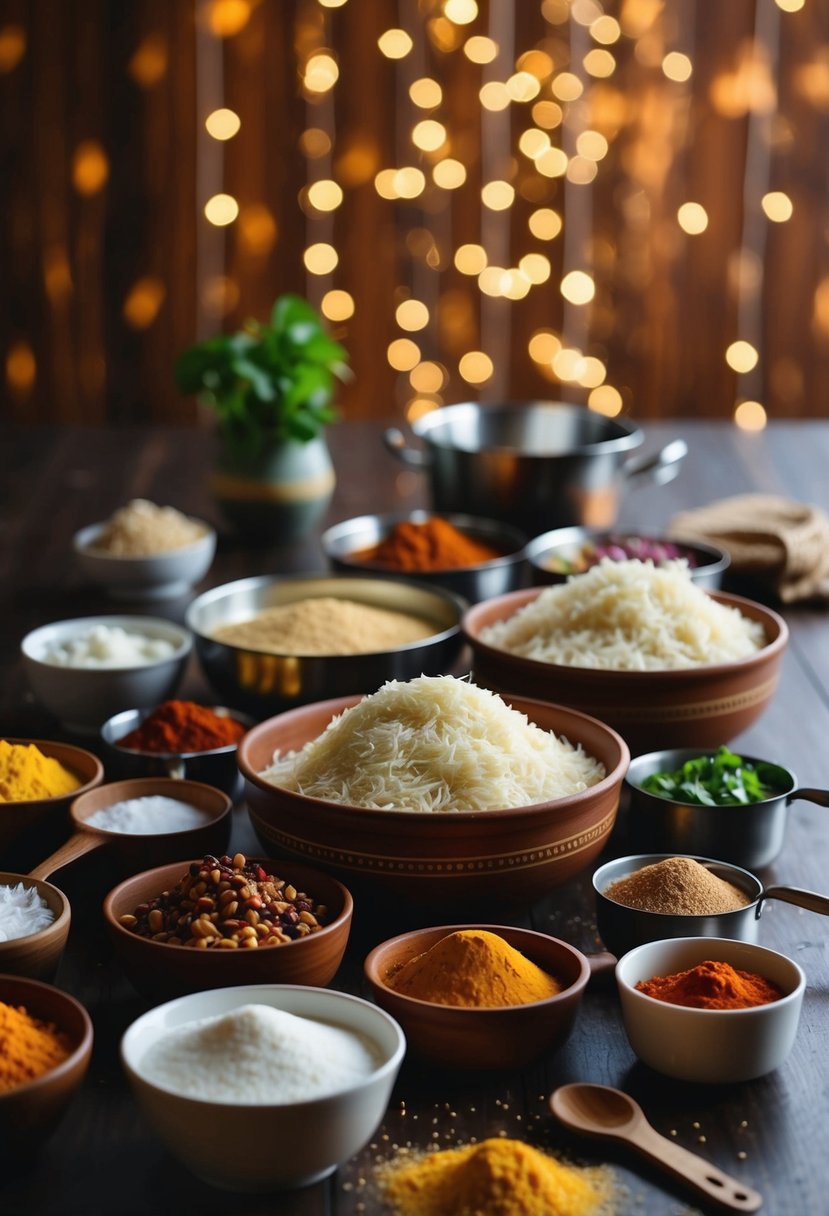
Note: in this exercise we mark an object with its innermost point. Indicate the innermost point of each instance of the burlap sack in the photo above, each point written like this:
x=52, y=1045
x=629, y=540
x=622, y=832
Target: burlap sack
x=782, y=543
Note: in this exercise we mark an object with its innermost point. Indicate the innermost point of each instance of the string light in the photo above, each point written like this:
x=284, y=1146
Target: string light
x=221, y=209
x=223, y=124
x=565, y=100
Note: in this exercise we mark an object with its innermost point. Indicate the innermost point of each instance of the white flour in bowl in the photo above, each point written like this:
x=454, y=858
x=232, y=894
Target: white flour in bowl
x=258, y=1055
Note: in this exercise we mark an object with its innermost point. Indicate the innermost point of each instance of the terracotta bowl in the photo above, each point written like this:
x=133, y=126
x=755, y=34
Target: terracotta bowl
x=43, y=821
x=37, y=955
x=30, y=1112
x=691, y=707
x=506, y=1037
x=161, y=971
x=448, y=856
x=133, y=851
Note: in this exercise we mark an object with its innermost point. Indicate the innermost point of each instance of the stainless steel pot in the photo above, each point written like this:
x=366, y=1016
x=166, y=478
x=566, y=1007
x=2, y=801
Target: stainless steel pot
x=750, y=836
x=534, y=464
x=621, y=928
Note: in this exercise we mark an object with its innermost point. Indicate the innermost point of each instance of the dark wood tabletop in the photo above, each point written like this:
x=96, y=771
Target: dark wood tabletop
x=105, y=1157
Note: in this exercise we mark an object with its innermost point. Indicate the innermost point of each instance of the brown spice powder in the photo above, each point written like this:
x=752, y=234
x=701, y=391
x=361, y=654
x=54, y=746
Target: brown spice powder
x=677, y=886
x=326, y=626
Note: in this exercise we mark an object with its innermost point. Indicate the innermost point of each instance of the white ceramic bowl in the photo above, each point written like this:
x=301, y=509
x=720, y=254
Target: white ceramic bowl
x=717, y=1046
x=246, y=1147
x=151, y=577
x=84, y=697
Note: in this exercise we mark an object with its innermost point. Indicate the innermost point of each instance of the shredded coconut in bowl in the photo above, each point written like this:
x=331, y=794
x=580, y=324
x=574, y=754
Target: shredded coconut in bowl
x=628, y=616
x=435, y=743
x=108, y=646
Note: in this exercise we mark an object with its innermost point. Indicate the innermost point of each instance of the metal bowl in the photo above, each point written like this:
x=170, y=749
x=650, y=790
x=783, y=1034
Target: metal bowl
x=344, y=543
x=622, y=928
x=216, y=767
x=750, y=836
x=262, y=683
x=707, y=563
x=535, y=464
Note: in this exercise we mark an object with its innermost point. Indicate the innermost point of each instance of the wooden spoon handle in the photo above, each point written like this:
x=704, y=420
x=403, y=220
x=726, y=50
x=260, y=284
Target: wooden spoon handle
x=75, y=847
x=719, y=1186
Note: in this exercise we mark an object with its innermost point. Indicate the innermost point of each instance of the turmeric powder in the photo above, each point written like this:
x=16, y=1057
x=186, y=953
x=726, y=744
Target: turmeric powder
x=28, y=1047
x=475, y=968
x=26, y=774
x=498, y=1177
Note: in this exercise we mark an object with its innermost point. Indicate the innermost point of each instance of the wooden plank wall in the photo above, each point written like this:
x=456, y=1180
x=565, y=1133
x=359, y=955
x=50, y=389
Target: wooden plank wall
x=109, y=266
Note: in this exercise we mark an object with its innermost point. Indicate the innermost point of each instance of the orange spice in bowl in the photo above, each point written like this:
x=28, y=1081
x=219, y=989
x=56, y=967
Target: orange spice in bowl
x=29, y=1047
x=433, y=544
x=712, y=985
x=183, y=726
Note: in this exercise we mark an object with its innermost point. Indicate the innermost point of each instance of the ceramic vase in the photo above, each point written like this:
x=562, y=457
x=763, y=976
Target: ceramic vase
x=278, y=496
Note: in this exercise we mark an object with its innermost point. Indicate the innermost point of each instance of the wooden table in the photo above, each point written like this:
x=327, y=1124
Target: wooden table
x=105, y=1158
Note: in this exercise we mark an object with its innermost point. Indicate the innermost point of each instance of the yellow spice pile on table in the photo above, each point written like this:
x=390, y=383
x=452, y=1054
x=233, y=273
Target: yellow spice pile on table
x=498, y=1177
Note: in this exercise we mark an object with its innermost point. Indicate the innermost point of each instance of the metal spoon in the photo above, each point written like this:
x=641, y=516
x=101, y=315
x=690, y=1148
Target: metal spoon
x=598, y=1110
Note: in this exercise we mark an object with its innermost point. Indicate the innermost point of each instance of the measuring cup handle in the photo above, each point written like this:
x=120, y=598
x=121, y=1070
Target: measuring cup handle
x=810, y=900
x=821, y=797
x=75, y=847
x=662, y=466
x=395, y=441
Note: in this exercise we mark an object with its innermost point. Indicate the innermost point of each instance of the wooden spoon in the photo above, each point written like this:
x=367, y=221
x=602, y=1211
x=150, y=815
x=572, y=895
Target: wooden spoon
x=599, y=1110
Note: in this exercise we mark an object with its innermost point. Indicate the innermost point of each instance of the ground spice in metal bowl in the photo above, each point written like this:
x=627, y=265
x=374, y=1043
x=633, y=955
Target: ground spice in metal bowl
x=677, y=886
x=326, y=626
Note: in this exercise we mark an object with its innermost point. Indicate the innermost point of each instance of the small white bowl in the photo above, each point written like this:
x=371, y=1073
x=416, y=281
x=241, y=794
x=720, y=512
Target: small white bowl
x=84, y=697
x=717, y=1046
x=256, y=1147
x=148, y=577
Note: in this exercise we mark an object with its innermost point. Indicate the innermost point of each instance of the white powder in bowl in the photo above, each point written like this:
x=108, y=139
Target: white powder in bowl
x=258, y=1055
x=150, y=815
x=22, y=911
x=108, y=646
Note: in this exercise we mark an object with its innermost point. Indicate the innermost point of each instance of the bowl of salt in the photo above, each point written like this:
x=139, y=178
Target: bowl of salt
x=145, y=822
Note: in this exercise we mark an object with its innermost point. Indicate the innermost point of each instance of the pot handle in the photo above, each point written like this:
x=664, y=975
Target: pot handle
x=821, y=797
x=602, y=964
x=810, y=900
x=660, y=467
x=395, y=441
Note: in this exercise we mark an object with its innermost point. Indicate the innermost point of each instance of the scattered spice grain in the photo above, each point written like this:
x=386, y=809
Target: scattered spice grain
x=326, y=626
x=677, y=886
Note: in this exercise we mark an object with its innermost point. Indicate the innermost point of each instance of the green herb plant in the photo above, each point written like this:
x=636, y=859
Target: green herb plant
x=269, y=382
x=721, y=779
